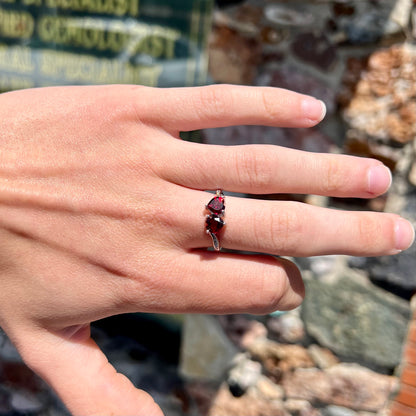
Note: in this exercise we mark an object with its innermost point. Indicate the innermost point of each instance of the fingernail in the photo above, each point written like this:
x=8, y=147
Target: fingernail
x=404, y=234
x=379, y=179
x=313, y=109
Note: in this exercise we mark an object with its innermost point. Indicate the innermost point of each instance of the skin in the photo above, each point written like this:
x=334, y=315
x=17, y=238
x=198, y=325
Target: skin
x=102, y=213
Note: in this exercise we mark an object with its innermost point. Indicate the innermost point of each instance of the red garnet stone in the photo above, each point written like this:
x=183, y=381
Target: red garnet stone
x=214, y=223
x=216, y=205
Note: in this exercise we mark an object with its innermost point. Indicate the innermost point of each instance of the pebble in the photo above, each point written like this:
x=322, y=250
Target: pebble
x=287, y=328
x=268, y=389
x=26, y=402
x=347, y=385
x=5, y=406
x=338, y=411
x=323, y=357
x=244, y=375
x=297, y=407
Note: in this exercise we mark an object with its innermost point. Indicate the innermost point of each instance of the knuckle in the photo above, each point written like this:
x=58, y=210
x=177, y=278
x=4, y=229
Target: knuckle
x=285, y=228
x=252, y=169
x=270, y=108
x=271, y=288
x=367, y=229
x=334, y=177
x=213, y=101
x=278, y=288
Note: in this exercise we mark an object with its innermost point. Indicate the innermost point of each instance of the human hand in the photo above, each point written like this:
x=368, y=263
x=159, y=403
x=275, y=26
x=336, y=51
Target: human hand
x=102, y=213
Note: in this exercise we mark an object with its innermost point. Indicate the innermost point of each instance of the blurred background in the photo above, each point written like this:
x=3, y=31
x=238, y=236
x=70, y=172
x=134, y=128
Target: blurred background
x=350, y=349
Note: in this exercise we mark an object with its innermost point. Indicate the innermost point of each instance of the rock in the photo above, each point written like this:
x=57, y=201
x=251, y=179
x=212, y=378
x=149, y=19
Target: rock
x=243, y=375
x=5, y=406
x=383, y=98
x=268, y=389
x=244, y=19
x=206, y=351
x=323, y=357
x=399, y=18
x=347, y=385
x=338, y=411
x=369, y=414
x=241, y=330
x=279, y=358
x=8, y=351
x=412, y=174
x=364, y=28
x=414, y=23
x=367, y=22
x=287, y=328
x=356, y=320
x=233, y=58
x=396, y=273
x=316, y=50
x=25, y=402
x=225, y=404
x=281, y=15
x=298, y=407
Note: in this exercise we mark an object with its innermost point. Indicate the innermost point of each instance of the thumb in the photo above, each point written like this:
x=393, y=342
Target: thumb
x=73, y=365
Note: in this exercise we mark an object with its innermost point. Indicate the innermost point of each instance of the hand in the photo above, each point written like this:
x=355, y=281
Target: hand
x=102, y=213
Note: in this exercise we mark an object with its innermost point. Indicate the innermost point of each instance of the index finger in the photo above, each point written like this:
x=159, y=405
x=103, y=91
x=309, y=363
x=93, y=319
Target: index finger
x=185, y=109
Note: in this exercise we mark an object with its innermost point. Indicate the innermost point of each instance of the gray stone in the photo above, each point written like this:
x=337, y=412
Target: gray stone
x=288, y=16
x=26, y=402
x=5, y=406
x=206, y=352
x=395, y=272
x=338, y=411
x=372, y=21
x=8, y=351
x=356, y=320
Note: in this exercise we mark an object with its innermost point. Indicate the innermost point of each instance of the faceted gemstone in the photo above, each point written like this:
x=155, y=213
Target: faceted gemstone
x=214, y=223
x=216, y=205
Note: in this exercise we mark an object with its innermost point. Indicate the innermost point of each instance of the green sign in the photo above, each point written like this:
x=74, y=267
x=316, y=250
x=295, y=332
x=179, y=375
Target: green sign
x=67, y=42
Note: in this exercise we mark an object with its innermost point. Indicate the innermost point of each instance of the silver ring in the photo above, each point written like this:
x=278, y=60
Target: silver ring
x=214, y=221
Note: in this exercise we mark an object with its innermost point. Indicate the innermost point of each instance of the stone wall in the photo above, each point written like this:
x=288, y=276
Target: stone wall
x=342, y=353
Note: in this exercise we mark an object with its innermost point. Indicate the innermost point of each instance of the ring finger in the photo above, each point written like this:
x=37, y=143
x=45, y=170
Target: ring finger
x=295, y=229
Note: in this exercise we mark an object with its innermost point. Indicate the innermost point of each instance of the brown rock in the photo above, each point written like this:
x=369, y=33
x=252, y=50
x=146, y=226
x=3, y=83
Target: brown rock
x=300, y=408
x=241, y=330
x=269, y=390
x=287, y=328
x=323, y=357
x=347, y=385
x=279, y=358
x=233, y=58
x=412, y=174
x=250, y=404
x=379, y=94
x=315, y=49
